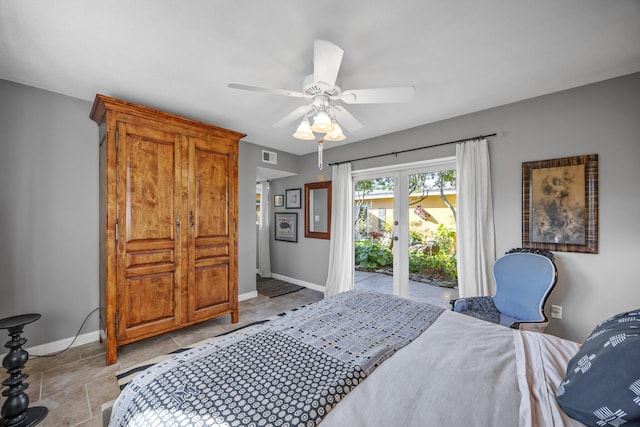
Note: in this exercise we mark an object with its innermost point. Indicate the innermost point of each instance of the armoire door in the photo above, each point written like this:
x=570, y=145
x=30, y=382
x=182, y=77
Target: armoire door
x=149, y=252
x=212, y=283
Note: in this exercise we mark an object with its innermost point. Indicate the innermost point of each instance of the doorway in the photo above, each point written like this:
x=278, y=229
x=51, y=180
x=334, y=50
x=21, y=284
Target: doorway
x=404, y=230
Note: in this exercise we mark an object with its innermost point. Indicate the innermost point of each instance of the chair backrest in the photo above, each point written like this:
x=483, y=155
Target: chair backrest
x=524, y=281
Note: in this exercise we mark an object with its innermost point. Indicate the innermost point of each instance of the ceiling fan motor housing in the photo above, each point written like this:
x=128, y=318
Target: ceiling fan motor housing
x=311, y=88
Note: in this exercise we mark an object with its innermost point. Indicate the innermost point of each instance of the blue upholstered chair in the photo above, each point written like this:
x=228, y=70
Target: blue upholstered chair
x=524, y=279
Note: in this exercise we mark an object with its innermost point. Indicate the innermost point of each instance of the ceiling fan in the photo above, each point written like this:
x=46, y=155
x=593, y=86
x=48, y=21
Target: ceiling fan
x=322, y=89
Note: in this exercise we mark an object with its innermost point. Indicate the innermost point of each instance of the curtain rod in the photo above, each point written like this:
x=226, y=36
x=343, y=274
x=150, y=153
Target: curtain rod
x=414, y=149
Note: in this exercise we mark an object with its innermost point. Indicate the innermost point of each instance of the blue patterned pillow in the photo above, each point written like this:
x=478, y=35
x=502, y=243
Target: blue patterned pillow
x=602, y=385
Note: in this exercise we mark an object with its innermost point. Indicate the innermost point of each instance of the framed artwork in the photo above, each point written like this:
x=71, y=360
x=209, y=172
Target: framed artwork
x=560, y=204
x=278, y=200
x=286, y=227
x=294, y=198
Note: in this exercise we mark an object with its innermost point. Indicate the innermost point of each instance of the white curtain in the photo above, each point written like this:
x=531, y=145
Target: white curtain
x=341, y=263
x=474, y=222
x=264, y=256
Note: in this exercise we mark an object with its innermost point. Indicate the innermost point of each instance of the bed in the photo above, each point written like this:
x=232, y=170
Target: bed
x=360, y=358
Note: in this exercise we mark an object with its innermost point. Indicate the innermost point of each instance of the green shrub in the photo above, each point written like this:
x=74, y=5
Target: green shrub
x=440, y=262
x=440, y=266
x=414, y=236
x=371, y=255
x=446, y=239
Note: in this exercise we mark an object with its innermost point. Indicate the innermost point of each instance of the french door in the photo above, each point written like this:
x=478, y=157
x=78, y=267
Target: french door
x=385, y=210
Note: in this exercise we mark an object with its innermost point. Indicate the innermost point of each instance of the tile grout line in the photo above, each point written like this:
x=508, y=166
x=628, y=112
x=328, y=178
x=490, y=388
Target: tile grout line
x=86, y=393
x=41, y=385
x=176, y=342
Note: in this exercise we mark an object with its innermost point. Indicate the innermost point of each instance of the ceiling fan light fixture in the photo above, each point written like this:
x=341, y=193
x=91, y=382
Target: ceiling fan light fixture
x=322, y=123
x=336, y=134
x=304, y=131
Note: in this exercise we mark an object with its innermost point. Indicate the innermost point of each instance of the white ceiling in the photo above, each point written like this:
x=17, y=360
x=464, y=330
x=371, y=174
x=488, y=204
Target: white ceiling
x=461, y=55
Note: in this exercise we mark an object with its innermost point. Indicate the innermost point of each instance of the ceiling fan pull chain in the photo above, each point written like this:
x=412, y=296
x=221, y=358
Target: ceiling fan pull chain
x=320, y=154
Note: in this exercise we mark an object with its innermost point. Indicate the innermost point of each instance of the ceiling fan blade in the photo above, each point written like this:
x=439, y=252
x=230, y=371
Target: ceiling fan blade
x=346, y=119
x=327, y=58
x=294, y=115
x=381, y=95
x=283, y=92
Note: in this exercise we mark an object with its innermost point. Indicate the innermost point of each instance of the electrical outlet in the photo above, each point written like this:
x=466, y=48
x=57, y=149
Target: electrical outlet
x=556, y=311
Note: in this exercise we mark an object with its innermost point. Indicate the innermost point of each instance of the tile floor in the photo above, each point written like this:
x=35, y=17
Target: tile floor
x=418, y=291
x=75, y=384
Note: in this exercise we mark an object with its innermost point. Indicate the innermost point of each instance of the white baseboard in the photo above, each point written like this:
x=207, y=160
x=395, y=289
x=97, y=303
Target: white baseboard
x=248, y=295
x=55, y=346
x=298, y=282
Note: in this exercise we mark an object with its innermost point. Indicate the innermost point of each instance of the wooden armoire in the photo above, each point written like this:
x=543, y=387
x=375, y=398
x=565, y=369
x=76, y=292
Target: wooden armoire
x=168, y=222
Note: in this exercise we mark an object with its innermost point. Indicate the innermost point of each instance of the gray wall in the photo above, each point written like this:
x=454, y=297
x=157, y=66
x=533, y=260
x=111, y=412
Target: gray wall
x=248, y=161
x=48, y=211
x=49, y=205
x=602, y=118
x=308, y=259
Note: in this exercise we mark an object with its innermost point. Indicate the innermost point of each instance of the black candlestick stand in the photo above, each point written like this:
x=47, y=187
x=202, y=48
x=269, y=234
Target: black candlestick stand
x=16, y=411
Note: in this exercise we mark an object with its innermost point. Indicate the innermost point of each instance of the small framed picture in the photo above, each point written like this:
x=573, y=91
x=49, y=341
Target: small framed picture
x=294, y=198
x=278, y=200
x=286, y=227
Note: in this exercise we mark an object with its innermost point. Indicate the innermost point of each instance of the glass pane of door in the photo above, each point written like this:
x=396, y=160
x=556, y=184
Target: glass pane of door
x=431, y=218
x=374, y=219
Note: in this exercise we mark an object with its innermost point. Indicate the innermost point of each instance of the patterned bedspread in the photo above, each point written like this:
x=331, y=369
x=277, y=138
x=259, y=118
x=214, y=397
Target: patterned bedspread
x=287, y=372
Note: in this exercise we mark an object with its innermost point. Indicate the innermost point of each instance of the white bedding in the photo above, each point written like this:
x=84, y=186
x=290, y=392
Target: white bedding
x=542, y=361
x=463, y=372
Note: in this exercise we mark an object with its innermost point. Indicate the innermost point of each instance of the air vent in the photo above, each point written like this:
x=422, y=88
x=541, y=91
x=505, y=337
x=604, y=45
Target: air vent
x=269, y=157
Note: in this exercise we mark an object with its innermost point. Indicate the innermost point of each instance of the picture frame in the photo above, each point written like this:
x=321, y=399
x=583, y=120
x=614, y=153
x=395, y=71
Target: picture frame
x=293, y=198
x=286, y=226
x=560, y=204
x=278, y=200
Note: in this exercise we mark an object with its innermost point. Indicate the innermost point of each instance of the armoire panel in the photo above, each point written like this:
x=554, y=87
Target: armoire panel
x=137, y=315
x=150, y=257
x=211, y=193
x=207, y=292
x=204, y=251
x=151, y=185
